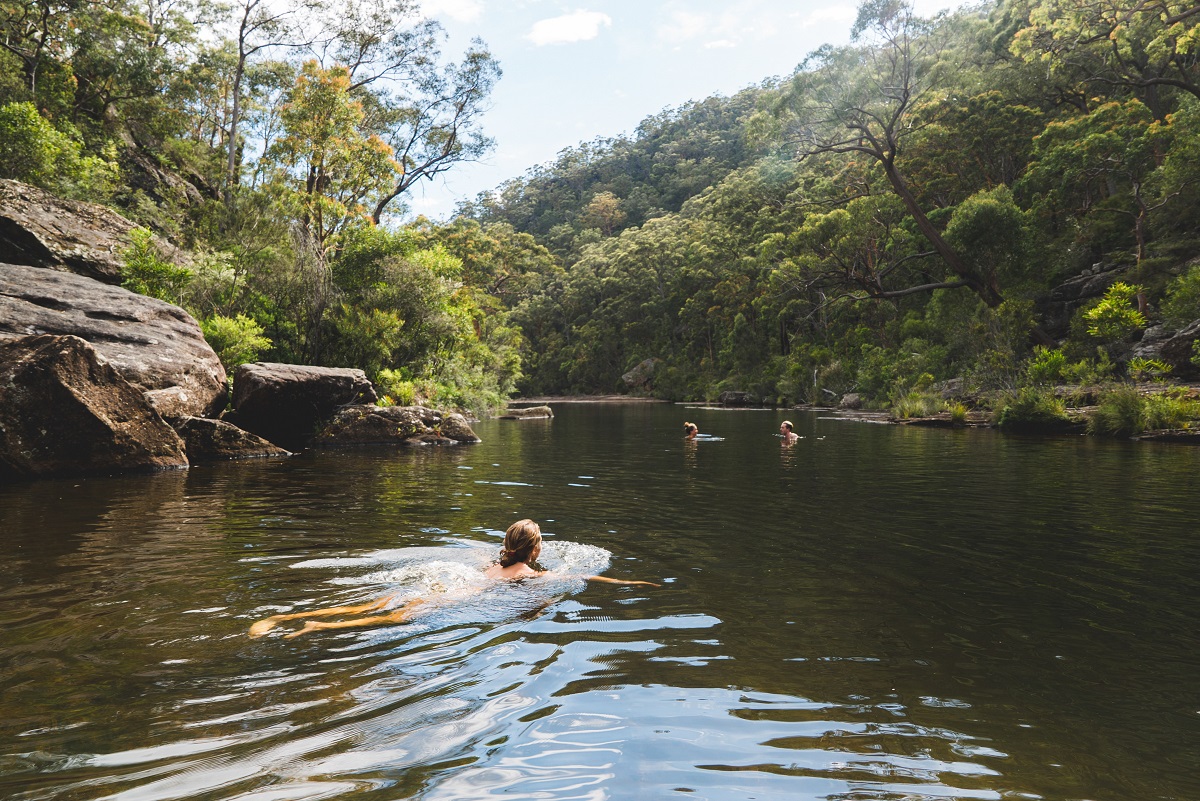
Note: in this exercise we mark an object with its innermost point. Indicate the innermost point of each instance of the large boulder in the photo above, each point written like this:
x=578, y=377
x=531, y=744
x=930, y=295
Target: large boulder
x=366, y=424
x=211, y=440
x=734, y=398
x=152, y=344
x=1175, y=347
x=642, y=375
x=64, y=410
x=288, y=403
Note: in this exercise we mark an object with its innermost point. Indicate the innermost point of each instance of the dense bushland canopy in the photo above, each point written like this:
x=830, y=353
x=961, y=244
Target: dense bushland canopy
x=898, y=211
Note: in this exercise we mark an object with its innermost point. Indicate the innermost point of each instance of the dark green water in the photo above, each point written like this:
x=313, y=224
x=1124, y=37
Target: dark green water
x=876, y=613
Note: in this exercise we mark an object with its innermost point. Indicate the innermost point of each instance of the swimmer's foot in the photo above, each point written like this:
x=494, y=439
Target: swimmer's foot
x=312, y=625
x=262, y=627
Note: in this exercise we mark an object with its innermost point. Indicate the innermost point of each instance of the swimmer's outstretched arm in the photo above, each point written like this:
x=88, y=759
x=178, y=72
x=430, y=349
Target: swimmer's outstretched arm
x=606, y=580
x=266, y=624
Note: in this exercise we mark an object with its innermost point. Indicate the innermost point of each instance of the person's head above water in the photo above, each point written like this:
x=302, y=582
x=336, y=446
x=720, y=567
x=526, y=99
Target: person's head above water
x=522, y=543
x=690, y=429
x=785, y=427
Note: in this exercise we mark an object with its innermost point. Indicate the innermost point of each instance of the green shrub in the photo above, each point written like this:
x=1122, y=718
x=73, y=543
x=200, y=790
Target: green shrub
x=915, y=404
x=1165, y=411
x=958, y=413
x=1148, y=369
x=34, y=151
x=147, y=273
x=1032, y=410
x=398, y=387
x=1120, y=413
x=1116, y=316
x=1182, y=303
x=1048, y=366
x=30, y=149
x=237, y=340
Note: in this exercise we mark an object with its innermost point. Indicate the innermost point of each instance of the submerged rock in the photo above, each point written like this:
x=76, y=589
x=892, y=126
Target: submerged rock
x=528, y=413
x=367, y=424
x=65, y=410
x=289, y=403
x=152, y=344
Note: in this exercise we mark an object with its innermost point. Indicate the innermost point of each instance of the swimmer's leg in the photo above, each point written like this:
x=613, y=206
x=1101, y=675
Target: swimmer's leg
x=400, y=615
x=263, y=626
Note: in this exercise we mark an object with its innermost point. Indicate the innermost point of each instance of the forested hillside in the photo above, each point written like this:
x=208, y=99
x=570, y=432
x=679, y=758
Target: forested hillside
x=1005, y=195
x=901, y=211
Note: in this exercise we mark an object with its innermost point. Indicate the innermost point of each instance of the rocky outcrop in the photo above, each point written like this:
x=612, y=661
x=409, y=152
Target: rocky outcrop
x=366, y=424
x=38, y=229
x=152, y=344
x=528, y=413
x=143, y=173
x=1055, y=309
x=209, y=440
x=1178, y=436
x=641, y=376
x=1175, y=347
x=65, y=410
x=289, y=403
x=851, y=400
x=733, y=398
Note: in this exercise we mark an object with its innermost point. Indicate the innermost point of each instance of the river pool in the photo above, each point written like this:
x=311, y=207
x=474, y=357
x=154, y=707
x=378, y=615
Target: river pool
x=877, y=612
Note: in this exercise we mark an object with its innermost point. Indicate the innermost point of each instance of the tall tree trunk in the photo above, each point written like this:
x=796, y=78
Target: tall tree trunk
x=985, y=288
x=231, y=176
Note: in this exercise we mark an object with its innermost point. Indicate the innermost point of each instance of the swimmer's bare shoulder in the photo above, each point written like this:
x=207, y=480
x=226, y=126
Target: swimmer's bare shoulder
x=520, y=570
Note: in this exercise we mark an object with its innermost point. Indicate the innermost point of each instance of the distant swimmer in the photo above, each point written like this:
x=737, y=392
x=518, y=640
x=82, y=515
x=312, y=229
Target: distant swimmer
x=691, y=432
x=787, y=436
x=522, y=546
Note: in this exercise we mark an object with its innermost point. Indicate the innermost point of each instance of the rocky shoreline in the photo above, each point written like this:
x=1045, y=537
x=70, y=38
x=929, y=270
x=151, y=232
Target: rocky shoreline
x=97, y=379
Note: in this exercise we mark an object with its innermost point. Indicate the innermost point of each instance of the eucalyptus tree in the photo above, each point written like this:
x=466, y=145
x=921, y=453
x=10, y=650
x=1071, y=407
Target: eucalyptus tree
x=1112, y=154
x=1139, y=45
x=259, y=27
x=868, y=101
x=35, y=35
x=427, y=109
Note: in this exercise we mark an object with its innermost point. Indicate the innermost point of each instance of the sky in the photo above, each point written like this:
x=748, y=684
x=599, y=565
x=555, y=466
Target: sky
x=577, y=71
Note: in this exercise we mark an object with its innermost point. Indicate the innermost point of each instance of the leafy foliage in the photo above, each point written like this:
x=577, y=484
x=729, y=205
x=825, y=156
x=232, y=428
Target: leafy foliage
x=148, y=273
x=236, y=340
x=1116, y=316
x=901, y=211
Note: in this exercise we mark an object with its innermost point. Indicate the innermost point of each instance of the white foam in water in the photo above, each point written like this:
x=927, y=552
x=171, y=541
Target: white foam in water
x=454, y=573
x=574, y=558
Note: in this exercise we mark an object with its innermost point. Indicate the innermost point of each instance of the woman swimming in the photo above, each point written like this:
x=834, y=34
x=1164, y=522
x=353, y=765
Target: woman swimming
x=522, y=545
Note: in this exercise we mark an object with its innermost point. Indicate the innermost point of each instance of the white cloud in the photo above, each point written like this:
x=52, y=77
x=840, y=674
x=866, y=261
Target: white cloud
x=841, y=16
x=577, y=27
x=720, y=44
x=683, y=26
x=457, y=10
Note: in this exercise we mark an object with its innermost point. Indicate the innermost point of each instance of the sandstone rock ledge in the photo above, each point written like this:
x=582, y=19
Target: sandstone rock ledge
x=367, y=424
x=528, y=413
